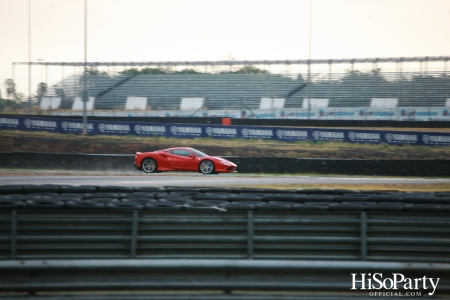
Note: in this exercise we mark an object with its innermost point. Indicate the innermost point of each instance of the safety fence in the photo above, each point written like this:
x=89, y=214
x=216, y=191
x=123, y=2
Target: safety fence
x=284, y=134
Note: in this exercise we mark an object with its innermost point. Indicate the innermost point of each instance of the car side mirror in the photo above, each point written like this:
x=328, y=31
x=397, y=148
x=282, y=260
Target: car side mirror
x=192, y=156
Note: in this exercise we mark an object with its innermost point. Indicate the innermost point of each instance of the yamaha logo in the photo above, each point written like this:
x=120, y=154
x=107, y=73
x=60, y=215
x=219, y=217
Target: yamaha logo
x=244, y=132
x=316, y=134
x=426, y=139
x=351, y=135
x=137, y=128
x=388, y=137
x=101, y=127
x=209, y=131
x=174, y=129
x=27, y=123
x=64, y=125
x=280, y=133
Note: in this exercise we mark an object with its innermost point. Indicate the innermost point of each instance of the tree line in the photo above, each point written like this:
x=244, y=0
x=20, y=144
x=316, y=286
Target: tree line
x=243, y=70
x=13, y=97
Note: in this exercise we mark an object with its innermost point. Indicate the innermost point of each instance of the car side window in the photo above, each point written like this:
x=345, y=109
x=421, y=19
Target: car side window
x=181, y=152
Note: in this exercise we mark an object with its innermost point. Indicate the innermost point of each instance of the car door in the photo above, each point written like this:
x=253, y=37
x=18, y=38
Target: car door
x=167, y=160
x=185, y=160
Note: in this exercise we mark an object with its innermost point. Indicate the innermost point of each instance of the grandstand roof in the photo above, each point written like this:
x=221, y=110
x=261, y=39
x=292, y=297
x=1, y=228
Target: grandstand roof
x=243, y=62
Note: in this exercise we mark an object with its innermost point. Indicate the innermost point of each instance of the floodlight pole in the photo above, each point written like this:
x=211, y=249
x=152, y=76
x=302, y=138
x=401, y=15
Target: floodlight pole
x=85, y=96
x=308, y=94
x=29, y=57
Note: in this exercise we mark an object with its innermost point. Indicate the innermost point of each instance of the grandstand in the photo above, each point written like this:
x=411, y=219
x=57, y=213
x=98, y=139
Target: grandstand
x=350, y=90
x=221, y=91
x=412, y=82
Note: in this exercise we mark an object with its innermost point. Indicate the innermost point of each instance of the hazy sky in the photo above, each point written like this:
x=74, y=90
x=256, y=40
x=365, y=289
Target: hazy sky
x=169, y=30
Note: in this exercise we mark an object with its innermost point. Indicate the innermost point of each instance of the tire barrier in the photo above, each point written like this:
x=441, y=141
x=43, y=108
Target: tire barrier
x=140, y=200
x=101, y=195
x=115, y=189
x=219, y=203
x=77, y=189
x=124, y=205
x=84, y=205
x=47, y=188
x=163, y=206
x=31, y=197
x=103, y=200
x=45, y=204
x=274, y=206
x=11, y=204
x=124, y=163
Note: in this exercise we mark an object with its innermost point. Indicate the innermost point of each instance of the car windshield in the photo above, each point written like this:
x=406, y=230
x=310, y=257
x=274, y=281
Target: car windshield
x=198, y=153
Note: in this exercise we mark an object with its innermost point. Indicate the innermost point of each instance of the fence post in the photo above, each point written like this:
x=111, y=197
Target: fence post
x=363, y=236
x=13, y=234
x=134, y=232
x=250, y=233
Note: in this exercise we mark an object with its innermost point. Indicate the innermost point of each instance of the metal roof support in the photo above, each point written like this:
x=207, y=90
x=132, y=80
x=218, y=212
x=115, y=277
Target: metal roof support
x=245, y=62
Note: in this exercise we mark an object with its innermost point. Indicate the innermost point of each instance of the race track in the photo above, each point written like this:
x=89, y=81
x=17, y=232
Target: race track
x=192, y=179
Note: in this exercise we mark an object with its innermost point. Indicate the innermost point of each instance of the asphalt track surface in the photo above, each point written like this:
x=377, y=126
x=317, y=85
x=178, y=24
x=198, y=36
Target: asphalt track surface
x=193, y=179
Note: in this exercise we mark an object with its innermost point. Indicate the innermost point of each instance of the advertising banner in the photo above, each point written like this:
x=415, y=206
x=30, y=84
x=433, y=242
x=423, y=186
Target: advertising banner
x=9, y=122
x=172, y=130
x=405, y=113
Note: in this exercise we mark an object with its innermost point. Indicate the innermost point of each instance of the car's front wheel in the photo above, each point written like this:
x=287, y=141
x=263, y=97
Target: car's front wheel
x=149, y=165
x=207, y=167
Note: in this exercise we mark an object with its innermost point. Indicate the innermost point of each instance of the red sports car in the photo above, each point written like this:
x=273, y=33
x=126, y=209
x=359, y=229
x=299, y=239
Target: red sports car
x=182, y=159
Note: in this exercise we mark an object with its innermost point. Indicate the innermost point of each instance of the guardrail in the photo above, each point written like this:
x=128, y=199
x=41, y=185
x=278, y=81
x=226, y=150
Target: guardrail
x=212, y=275
x=345, y=236
x=124, y=162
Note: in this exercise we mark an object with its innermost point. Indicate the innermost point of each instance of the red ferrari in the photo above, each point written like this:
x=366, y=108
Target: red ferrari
x=182, y=159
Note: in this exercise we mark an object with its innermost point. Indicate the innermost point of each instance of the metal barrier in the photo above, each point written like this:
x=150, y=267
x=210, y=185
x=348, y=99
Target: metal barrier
x=268, y=165
x=215, y=275
x=99, y=254
x=343, y=236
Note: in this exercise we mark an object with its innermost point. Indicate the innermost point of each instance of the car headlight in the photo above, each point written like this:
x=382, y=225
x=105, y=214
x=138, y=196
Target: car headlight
x=225, y=163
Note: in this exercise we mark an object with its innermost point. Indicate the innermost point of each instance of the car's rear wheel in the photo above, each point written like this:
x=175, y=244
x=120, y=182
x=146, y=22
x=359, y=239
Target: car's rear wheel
x=149, y=165
x=207, y=167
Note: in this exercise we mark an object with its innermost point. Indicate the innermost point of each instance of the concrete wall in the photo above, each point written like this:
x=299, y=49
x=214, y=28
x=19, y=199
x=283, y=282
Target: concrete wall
x=124, y=162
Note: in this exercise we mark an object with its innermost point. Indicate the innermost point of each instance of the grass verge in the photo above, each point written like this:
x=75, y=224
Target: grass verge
x=20, y=141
